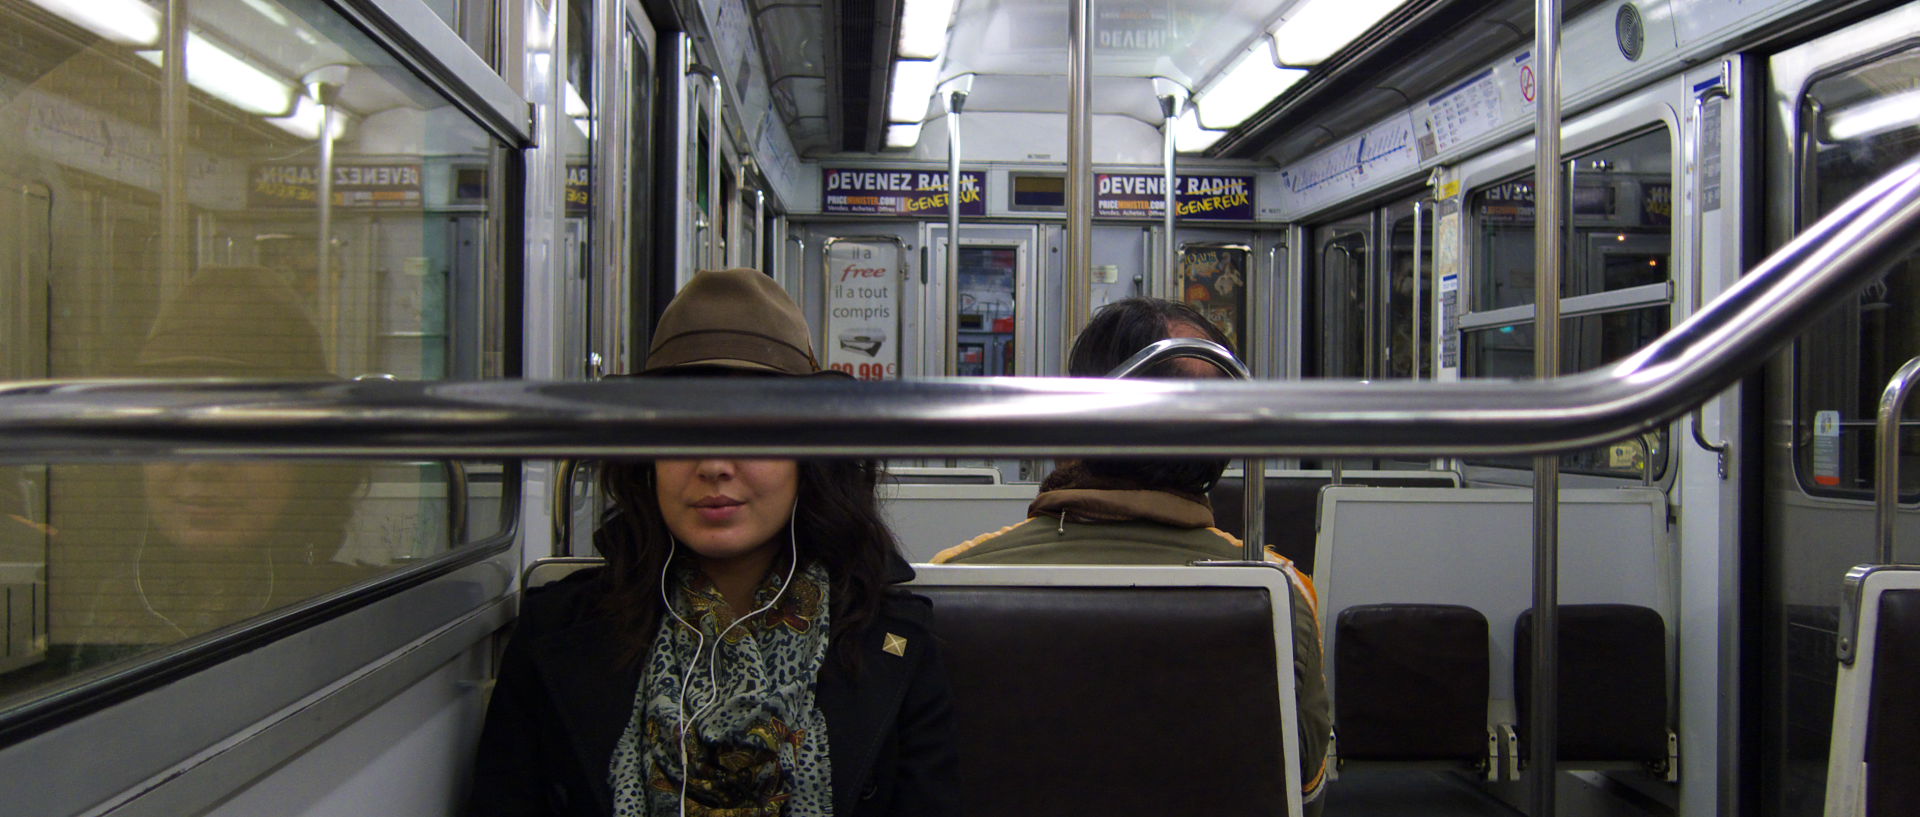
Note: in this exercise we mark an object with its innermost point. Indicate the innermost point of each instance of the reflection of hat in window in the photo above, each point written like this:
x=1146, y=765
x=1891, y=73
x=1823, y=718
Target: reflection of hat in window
x=233, y=322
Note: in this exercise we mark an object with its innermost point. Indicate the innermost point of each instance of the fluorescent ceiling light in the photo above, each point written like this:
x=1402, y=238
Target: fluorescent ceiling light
x=1314, y=29
x=1873, y=116
x=218, y=72
x=923, y=28
x=1189, y=137
x=127, y=22
x=305, y=120
x=903, y=136
x=913, y=83
x=1246, y=88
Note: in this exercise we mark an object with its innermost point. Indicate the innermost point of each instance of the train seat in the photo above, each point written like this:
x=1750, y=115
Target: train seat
x=1183, y=678
x=1612, y=664
x=1413, y=686
x=1120, y=690
x=1876, y=713
x=1293, y=503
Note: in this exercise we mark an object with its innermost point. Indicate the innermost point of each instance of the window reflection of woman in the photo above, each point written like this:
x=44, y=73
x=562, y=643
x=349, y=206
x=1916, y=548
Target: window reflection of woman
x=215, y=542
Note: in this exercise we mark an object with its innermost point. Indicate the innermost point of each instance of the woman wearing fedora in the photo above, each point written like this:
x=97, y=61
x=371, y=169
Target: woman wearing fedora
x=743, y=652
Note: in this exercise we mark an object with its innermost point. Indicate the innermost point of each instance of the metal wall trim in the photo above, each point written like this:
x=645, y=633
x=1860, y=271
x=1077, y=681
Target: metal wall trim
x=427, y=45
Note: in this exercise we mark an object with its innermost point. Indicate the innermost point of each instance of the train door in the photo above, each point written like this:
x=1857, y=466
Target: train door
x=989, y=324
x=1369, y=304
x=1216, y=272
x=1840, y=112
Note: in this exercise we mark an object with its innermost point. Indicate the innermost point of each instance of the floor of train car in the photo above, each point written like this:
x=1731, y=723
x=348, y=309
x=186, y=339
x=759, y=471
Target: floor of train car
x=1404, y=793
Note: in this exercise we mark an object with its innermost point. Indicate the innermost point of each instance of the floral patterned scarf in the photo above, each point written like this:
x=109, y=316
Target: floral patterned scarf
x=757, y=740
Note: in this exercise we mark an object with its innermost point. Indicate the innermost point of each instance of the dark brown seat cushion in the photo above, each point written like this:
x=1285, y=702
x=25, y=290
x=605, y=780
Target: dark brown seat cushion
x=1412, y=682
x=1613, y=682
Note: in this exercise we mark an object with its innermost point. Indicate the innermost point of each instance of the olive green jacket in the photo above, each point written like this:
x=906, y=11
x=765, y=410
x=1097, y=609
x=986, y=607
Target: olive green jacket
x=1142, y=527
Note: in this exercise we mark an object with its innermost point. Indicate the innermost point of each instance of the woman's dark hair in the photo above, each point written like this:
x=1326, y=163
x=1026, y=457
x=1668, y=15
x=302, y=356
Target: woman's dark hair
x=1118, y=332
x=837, y=522
x=1122, y=328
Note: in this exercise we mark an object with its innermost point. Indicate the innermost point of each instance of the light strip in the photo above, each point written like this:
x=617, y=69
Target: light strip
x=903, y=136
x=1313, y=30
x=576, y=106
x=218, y=72
x=923, y=28
x=127, y=22
x=305, y=120
x=1873, y=116
x=1247, y=87
x=1189, y=137
x=913, y=84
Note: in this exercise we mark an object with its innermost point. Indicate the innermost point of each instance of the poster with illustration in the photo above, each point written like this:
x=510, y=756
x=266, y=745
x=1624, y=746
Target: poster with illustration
x=862, y=336
x=1213, y=279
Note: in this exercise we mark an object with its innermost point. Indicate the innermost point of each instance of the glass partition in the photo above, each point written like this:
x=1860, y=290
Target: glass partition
x=1615, y=286
x=268, y=196
x=1856, y=125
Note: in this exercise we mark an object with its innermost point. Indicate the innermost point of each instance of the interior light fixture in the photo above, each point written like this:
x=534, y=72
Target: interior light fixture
x=903, y=136
x=218, y=72
x=1873, y=116
x=127, y=22
x=1314, y=29
x=923, y=28
x=1245, y=88
x=913, y=83
x=305, y=120
x=576, y=106
x=1189, y=137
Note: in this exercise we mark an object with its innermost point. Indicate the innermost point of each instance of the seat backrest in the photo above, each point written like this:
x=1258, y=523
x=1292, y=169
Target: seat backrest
x=1876, y=727
x=1120, y=690
x=1414, y=683
x=1293, y=502
x=1612, y=665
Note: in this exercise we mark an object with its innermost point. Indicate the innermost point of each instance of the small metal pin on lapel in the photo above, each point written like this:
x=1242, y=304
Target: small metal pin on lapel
x=894, y=644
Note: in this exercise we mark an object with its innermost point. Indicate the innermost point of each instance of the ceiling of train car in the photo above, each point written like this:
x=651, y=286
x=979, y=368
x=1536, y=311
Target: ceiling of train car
x=1016, y=50
x=829, y=62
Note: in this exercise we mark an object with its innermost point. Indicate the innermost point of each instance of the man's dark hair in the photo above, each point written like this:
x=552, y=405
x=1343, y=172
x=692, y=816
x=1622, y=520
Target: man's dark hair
x=1117, y=332
x=1122, y=328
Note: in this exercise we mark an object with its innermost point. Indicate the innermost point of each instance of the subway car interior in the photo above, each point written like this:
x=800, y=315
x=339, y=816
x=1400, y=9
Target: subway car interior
x=1587, y=318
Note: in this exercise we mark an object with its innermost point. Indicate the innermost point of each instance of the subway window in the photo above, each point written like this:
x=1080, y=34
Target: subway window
x=1616, y=294
x=270, y=197
x=1854, y=126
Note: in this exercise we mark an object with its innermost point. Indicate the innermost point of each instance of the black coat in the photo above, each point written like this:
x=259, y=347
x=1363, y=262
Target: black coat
x=564, y=697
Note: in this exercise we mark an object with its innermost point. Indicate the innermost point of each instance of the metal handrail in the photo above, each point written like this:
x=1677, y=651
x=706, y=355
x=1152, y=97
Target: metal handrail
x=1253, y=486
x=1162, y=351
x=1886, y=481
x=78, y=420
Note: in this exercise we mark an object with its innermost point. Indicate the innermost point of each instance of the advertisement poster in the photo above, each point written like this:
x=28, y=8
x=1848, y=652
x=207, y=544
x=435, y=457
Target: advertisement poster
x=1213, y=279
x=354, y=185
x=914, y=193
x=1141, y=195
x=863, y=307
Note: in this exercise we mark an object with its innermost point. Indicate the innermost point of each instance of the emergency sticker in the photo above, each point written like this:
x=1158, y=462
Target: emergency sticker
x=1826, y=447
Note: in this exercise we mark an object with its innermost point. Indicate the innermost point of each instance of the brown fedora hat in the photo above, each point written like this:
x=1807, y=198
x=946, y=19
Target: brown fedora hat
x=733, y=319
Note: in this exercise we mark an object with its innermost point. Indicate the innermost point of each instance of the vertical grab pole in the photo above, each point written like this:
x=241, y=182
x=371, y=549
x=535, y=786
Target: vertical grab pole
x=1698, y=239
x=174, y=94
x=1079, y=285
x=714, y=204
x=1169, y=250
x=1419, y=232
x=1543, y=734
x=955, y=101
x=1886, y=481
